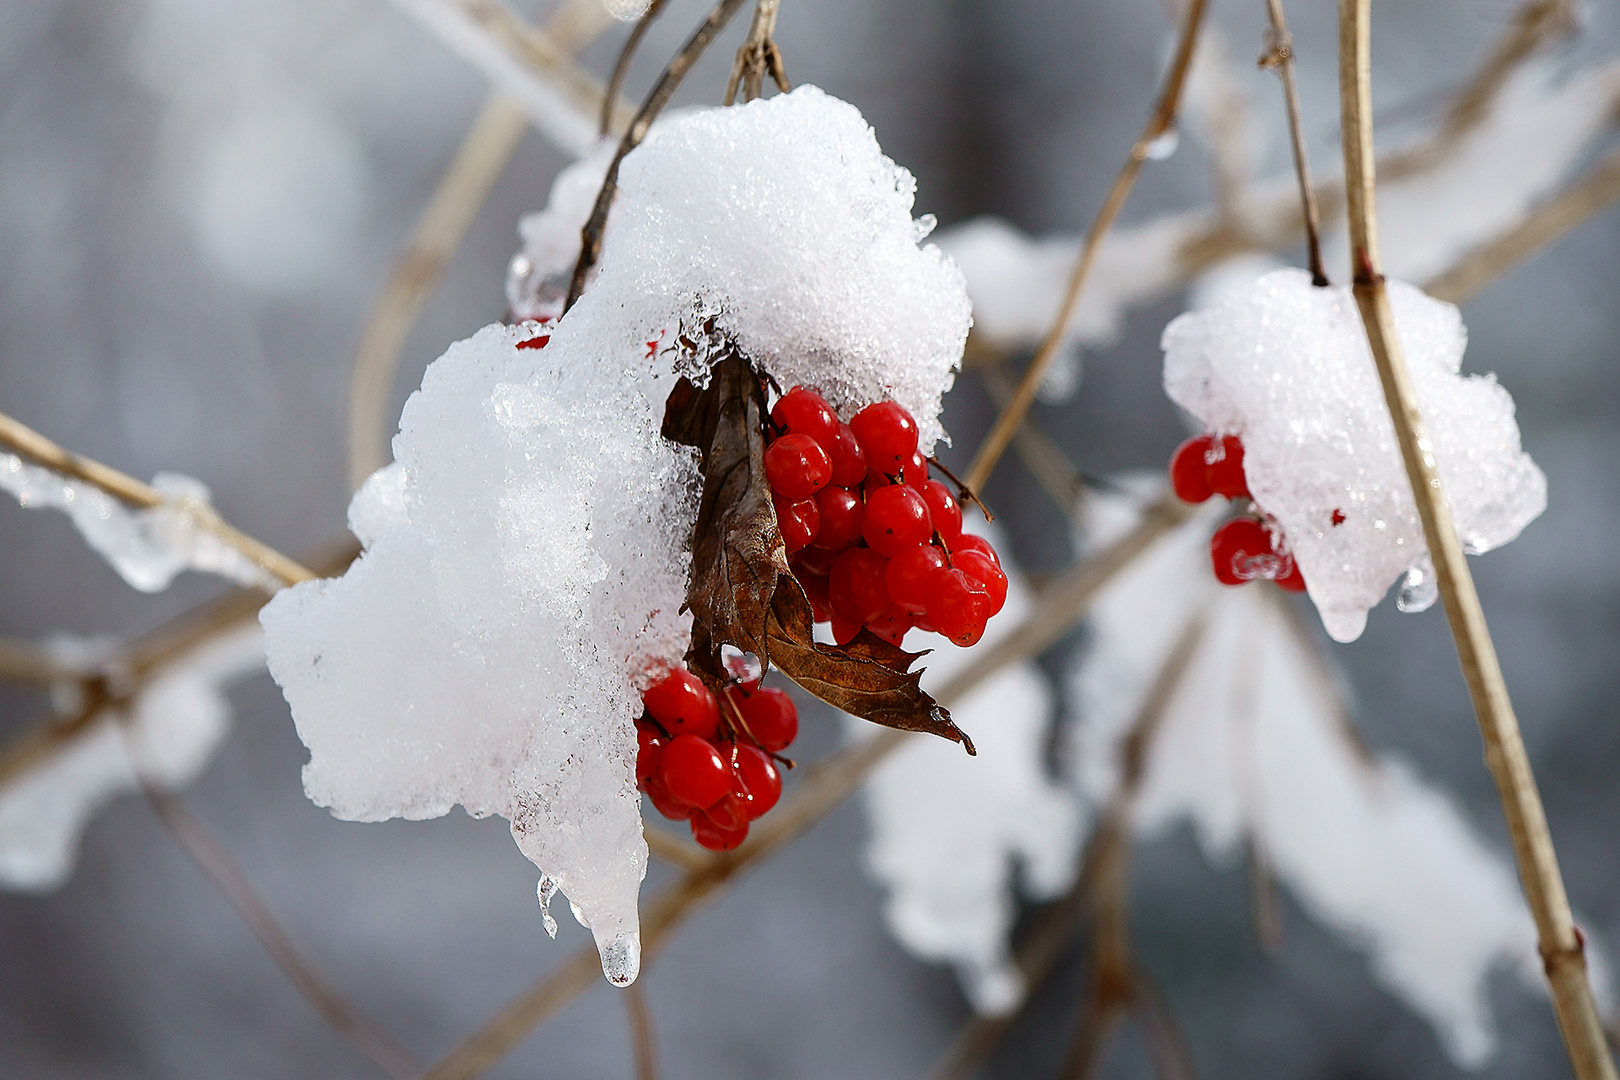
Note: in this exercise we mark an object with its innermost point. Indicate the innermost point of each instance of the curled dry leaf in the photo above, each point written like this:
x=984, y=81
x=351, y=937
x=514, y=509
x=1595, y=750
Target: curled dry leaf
x=742, y=591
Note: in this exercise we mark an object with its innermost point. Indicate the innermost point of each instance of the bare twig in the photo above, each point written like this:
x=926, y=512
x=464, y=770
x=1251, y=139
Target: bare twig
x=24, y=661
x=663, y=89
x=621, y=66
x=1561, y=947
x=642, y=1042
x=665, y=845
x=758, y=55
x=28, y=443
x=1160, y=125
x=217, y=865
x=1043, y=457
x=1555, y=217
x=1279, y=56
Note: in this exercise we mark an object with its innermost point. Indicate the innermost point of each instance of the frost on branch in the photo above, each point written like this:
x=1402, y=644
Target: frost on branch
x=1254, y=748
x=525, y=558
x=165, y=736
x=1285, y=366
x=147, y=547
x=948, y=831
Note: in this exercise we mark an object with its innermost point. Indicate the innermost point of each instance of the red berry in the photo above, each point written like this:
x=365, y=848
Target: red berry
x=681, y=703
x=1293, y=580
x=805, y=412
x=843, y=513
x=769, y=715
x=693, y=770
x=729, y=812
x=649, y=752
x=959, y=608
x=943, y=510
x=983, y=569
x=539, y=341
x=915, y=473
x=816, y=591
x=844, y=631
x=910, y=576
x=1241, y=551
x=896, y=519
x=1189, y=470
x=814, y=560
x=664, y=802
x=891, y=626
x=797, y=467
x=856, y=587
x=971, y=542
x=756, y=779
x=1226, y=475
x=799, y=521
x=888, y=435
x=713, y=837
x=848, y=459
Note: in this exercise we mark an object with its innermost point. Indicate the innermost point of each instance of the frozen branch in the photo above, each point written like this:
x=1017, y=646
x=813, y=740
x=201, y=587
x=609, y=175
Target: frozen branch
x=757, y=56
x=1280, y=56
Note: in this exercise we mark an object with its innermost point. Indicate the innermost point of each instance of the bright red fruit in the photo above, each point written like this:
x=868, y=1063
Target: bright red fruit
x=681, y=703
x=1189, y=470
x=755, y=779
x=713, y=837
x=983, y=569
x=769, y=715
x=797, y=467
x=970, y=542
x=729, y=812
x=896, y=519
x=649, y=752
x=843, y=513
x=848, y=459
x=888, y=434
x=943, y=510
x=910, y=576
x=1293, y=580
x=959, y=608
x=1226, y=475
x=1241, y=551
x=805, y=412
x=856, y=587
x=844, y=631
x=813, y=560
x=664, y=802
x=799, y=521
x=815, y=588
x=915, y=473
x=891, y=626
x=693, y=770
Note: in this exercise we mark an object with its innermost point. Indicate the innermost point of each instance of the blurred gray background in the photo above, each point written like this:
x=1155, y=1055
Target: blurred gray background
x=199, y=200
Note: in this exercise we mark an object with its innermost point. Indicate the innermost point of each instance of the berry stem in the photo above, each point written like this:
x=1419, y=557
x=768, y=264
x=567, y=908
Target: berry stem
x=964, y=494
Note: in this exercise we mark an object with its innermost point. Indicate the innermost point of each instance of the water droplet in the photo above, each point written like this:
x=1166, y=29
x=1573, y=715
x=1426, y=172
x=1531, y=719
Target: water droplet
x=621, y=958
x=548, y=889
x=1163, y=146
x=924, y=225
x=1420, y=589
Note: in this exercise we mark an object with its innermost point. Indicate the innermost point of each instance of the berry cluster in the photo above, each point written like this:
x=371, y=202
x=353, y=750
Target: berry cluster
x=1245, y=548
x=871, y=538
x=711, y=760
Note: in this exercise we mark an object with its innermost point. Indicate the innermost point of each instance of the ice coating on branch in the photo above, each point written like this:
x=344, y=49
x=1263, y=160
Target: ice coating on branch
x=148, y=547
x=949, y=831
x=1285, y=365
x=1254, y=747
x=167, y=735
x=537, y=277
x=525, y=558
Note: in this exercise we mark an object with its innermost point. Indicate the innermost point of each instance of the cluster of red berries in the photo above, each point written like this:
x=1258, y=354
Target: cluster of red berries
x=872, y=539
x=1243, y=549
x=711, y=760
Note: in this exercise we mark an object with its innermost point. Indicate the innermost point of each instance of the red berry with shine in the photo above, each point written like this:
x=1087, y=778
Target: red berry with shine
x=856, y=587
x=729, y=812
x=843, y=513
x=1293, y=580
x=1189, y=470
x=756, y=779
x=844, y=631
x=1241, y=551
x=712, y=836
x=915, y=473
x=983, y=569
x=664, y=802
x=910, y=577
x=891, y=626
x=1226, y=476
x=959, y=608
x=848, y=459
x=888, y=434
x=693, y=770
x=681, y=703
x=649, y=753
x=896, y=519
x=799, y=521
x=769, y=715
x=971, y=542
x=943, y=510
x=797, y=467
x=805, y=412
x=816, y=591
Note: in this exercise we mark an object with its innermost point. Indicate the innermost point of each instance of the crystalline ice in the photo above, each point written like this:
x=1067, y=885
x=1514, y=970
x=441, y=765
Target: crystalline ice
x=1420, y=589
x=167, y=735
x=947, y=830
x=537, y=279
x=1285, y=365
x=525, y=562
x=147, y=547
x=1253, y=747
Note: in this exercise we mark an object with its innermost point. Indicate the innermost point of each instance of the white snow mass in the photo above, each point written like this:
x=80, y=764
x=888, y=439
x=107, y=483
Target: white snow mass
x=1285, y=365
x=525, y=559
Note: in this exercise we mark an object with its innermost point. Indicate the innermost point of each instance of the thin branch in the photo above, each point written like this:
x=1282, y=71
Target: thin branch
x=24, y=661
x=1561, y=947
x=657, y=98
x=1595, y=191
x=1160, y=125
x=621, y=66
x=1043, y=457
x=665, y=845
x=28, y=443
x=758, y=55
x=217, y=865
x=642, y=1041
x=1280, y=57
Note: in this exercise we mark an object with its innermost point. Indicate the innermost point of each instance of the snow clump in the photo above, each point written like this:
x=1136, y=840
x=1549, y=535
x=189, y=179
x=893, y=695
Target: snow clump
x=526, y=558
x=1285, y=366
